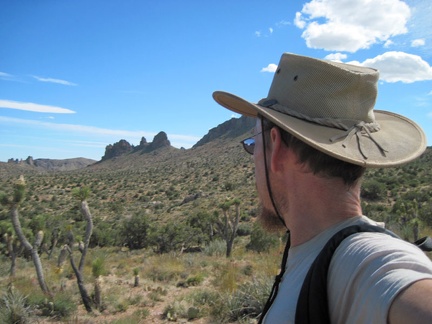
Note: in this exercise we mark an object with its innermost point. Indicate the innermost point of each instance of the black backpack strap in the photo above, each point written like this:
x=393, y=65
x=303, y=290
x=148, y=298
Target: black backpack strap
x=425, y=244
x=312, y=304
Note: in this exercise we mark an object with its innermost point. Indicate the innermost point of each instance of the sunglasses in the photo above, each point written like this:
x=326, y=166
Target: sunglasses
x=249, y=143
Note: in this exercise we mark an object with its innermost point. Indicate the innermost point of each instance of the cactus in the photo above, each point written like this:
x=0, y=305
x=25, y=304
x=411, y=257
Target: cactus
x=136, y=277
x=18, y=197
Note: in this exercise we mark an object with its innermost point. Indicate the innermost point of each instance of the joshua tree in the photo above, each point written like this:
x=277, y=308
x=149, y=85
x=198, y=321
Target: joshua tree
x=228, y=224
x=14, y=248
x=80, y=280
x=82, y=194
x=18, y=197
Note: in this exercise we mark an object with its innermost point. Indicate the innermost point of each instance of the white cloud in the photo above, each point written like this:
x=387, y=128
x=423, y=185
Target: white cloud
x=418, y=42
x=298, y=20
x=51, y=80
x=268, y=33
x=388, y=43
x=6, y=76
x=282, y=23
x=400, y=67
x=338, y=57
x=345, y=25
x=176, y=140
x=29, y=106
x=269, y=68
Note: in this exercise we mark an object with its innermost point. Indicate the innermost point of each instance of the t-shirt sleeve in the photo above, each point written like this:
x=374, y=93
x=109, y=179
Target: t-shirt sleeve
x=367, y=272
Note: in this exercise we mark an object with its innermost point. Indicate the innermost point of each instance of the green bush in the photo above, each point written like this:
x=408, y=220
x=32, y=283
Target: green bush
x=60, y=306
x=373, y=190
x=246, y=302
x=14, y=308
x=135, y=232
x=260, y=240
x=215, y=248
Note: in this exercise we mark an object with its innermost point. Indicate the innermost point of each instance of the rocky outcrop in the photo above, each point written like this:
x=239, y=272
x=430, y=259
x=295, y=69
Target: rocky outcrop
x=124, y=147
x=117, y=149
x=229, y=129
x=159, y=141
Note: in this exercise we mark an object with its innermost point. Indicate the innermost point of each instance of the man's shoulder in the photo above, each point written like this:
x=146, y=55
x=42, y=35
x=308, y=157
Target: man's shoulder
x=370, y=250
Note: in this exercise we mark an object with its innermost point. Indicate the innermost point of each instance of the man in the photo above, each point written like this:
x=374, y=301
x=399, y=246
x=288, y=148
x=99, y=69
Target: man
x=315, y=134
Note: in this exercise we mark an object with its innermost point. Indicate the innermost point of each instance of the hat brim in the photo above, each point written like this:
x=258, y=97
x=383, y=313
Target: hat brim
x=402, y=139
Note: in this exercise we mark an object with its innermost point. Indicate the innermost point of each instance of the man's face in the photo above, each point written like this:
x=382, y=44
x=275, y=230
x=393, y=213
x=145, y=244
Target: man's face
x=267, y=215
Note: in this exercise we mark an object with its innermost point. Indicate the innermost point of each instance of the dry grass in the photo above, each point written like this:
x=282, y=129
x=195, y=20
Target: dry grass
x=186, y=286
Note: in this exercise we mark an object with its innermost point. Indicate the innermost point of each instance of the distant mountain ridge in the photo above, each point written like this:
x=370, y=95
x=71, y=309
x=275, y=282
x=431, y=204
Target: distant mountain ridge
x=53, y=164
x=121, y=149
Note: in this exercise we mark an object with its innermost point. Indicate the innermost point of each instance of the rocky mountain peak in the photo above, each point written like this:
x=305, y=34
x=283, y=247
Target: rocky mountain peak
x=124, y=147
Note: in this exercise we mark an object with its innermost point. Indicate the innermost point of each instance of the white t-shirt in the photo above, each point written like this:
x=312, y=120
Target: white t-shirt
x=366, y=273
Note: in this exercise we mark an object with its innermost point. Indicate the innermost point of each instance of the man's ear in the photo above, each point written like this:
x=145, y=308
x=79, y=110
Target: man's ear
x=278, y=150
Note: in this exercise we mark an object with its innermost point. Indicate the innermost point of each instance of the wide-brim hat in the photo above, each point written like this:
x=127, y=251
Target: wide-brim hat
x=329, y=105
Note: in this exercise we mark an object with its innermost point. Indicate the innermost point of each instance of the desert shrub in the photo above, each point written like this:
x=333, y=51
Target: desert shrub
x=60, y=306
x=141, y=314
x=137, y=317
x=260, y=240
x=104, y=234
x=244, y=229
x=204, y=222
x=195, y=280
x=181, y=309
x=373, y=190
x=202, y=302
x=215, y=248
x=172, y=237
x=5, y=264
x=203, y=297
x=246, y=302
x=134, y=232
x=14, y=308
x=156, y=295
x=227, y=280
x=166, y=269
x=175, y=310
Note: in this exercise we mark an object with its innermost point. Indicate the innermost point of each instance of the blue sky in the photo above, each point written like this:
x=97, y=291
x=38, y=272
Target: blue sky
x=78, y=75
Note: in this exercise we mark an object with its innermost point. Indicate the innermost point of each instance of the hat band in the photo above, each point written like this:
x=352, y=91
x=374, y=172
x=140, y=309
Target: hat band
x=354, y=127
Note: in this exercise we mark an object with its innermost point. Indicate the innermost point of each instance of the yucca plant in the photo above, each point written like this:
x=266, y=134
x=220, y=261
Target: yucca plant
x=136, y=277
x=14, y=308
x=98, y=269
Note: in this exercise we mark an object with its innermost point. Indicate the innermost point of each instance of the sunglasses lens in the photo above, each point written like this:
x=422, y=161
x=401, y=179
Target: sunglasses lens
x=249, y=145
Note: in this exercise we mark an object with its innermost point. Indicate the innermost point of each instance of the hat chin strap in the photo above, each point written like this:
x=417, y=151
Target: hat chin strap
x=278, y=278
x=270, y=192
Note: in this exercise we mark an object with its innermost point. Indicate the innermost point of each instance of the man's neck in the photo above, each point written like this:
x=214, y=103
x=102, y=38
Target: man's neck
x=318, y=204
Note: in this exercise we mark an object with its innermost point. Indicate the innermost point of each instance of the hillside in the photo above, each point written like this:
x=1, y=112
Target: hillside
x=149, y=205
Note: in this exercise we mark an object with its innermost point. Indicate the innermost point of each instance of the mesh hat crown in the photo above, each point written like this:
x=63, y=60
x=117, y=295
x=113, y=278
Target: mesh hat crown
x=330, y=106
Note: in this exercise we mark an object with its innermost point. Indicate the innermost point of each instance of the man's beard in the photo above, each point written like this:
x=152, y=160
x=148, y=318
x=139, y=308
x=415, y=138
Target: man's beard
x=269, y=220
